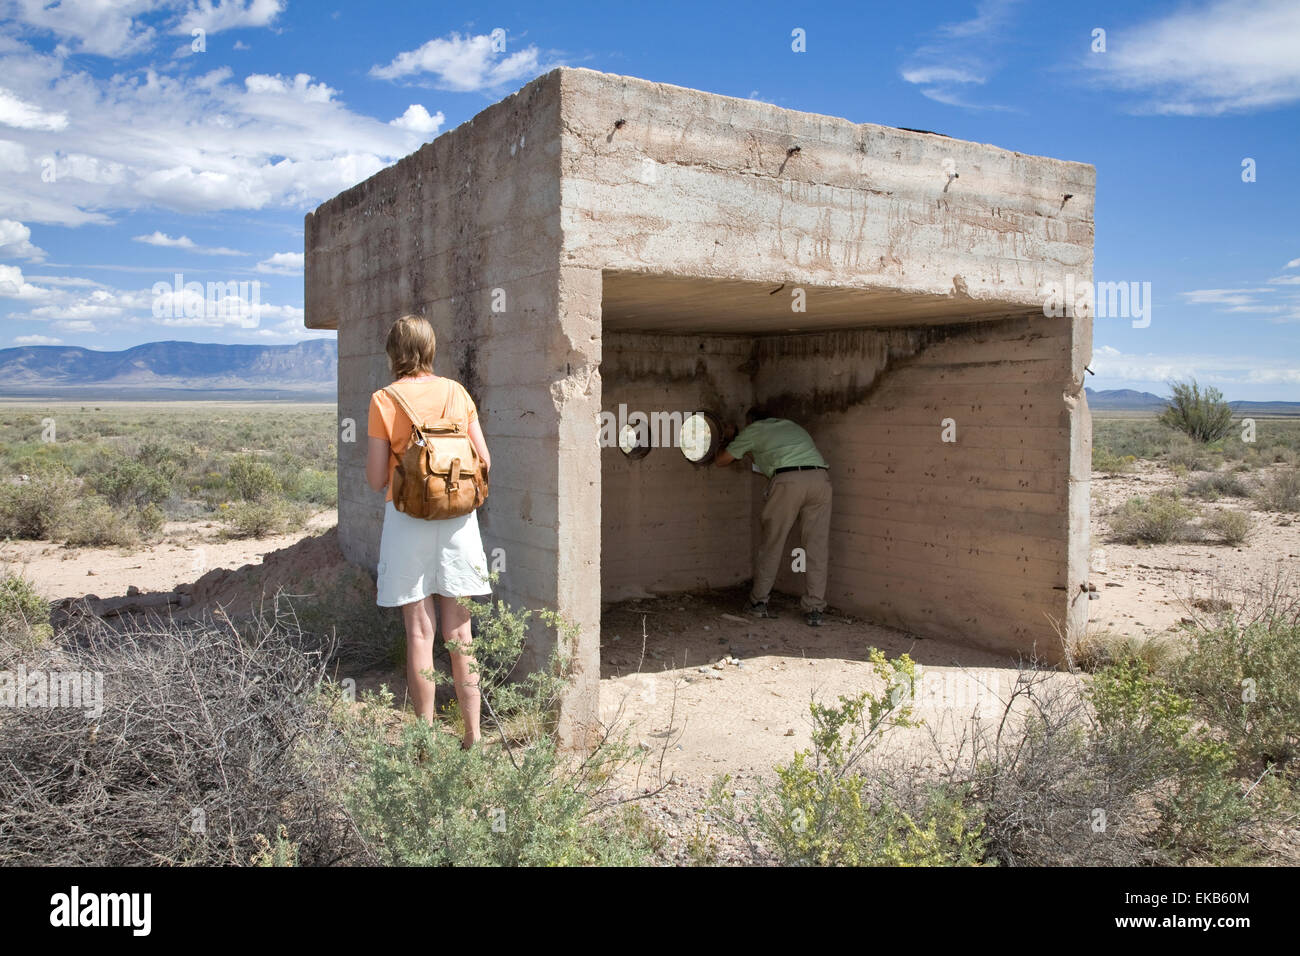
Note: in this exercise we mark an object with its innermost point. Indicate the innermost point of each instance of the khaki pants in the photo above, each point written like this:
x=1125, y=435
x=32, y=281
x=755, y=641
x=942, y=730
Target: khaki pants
x=805, y=495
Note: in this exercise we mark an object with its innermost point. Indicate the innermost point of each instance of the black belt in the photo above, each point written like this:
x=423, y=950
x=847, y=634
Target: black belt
x=800, y=468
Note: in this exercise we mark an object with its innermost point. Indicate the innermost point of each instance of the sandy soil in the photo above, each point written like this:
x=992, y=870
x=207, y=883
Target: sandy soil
x=702, y=688
x=1150, y=589
x=188, y=551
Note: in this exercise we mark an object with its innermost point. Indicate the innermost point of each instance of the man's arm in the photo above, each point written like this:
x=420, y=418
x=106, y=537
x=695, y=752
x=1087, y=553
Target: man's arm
x=724, y=457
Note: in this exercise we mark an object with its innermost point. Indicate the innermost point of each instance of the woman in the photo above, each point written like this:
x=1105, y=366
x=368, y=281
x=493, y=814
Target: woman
x=419, y=559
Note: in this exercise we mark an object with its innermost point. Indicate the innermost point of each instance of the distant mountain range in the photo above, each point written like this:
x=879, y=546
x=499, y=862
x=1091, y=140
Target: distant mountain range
x=306, y=371
x=1128, y=400
x=176, y=370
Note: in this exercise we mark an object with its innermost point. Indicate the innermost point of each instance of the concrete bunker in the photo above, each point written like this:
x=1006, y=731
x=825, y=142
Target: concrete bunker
x=595, y=240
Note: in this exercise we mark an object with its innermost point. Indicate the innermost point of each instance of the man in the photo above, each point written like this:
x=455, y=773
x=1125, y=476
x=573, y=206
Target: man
x=798, y=486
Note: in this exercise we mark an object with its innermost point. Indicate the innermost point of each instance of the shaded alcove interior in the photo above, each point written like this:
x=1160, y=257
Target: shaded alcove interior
x=672, y=343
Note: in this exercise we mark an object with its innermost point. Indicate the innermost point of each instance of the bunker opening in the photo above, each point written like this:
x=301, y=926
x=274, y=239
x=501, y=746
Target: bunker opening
x=940, y=419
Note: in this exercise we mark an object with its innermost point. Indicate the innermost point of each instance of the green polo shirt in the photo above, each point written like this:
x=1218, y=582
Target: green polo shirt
x=776, y=443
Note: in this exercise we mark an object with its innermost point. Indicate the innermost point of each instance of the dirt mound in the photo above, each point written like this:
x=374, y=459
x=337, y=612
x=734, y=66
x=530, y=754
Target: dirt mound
x=309, y=570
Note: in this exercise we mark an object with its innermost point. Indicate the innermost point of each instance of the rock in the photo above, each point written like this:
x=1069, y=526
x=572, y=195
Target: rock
x=789, y=732
x=132, y=591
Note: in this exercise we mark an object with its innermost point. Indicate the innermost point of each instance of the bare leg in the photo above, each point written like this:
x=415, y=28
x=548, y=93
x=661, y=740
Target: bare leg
x=456, y=632
x=420, y=629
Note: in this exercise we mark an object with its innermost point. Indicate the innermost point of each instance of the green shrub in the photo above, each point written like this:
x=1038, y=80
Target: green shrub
x=1280, y=491
x=95, y=524
x=261, y=519
x=316, y=487
x=1184, y=455
x=1203, y=417
x=253, y=480
x=421, y=800
x=1157, y=519
x=1145, y=725
x=24, y=614
x=1103, y=460
x=1229, y=526
x=1221, y=484
x=132, y=483
x=826, y=811
x=31, y=509
x=1242, y=677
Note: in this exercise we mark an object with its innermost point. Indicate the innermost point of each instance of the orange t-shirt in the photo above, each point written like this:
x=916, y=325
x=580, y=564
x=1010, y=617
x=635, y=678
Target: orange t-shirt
x=389, y=421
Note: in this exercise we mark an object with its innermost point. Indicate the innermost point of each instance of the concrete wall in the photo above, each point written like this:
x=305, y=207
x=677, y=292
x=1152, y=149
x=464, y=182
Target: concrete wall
x=666, y=524
x=969, y=537
x=469, y=221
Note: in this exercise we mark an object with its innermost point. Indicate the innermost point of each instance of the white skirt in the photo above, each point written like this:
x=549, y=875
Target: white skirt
x=418, y=558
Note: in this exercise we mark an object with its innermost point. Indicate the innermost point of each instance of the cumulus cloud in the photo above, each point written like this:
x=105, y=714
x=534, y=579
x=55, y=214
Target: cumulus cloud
x=284, y=264
x=14, y=286
x=15, y=242
x=213, y=16
x=20, y=114
x=75, y=305
x=1230, y=56
x=111, y=29
x=1116, y=366
x=198, y=143
x=417, y=120
x=463, y=63
x=37, y=340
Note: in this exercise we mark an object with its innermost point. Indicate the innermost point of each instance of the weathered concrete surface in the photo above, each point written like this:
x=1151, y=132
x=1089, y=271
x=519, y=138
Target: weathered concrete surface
x=597, y=211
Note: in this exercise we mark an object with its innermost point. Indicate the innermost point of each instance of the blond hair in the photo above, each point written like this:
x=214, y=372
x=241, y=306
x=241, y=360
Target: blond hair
x=411, y=345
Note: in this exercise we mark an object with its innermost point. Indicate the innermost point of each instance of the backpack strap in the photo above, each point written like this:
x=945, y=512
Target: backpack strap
x=397, y=396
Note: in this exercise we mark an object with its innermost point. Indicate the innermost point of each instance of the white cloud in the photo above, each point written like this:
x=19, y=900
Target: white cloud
x=1294, y=263
x=283, y=263
x=81, y=306
x=1229, y=56
x=185, y=242
x=162, y=239
x=1219, y=370
x=15, y=242
x=20, y=114
x=1222, y=296
x=80, y=327
x=104, y=27
x=960, y=57
x=37, y=340
x=197, y=143
x=14, y=286
x=941, y=74
x=216, y=15
x=13, y=158
x=463, y=64
x=1279, y=304
x=417, y=120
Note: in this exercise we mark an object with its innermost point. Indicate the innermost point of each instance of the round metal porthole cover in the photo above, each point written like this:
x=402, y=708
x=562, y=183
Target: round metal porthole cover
x=700, y=438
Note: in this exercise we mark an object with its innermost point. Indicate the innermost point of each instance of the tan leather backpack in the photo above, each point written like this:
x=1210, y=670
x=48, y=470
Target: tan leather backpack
x=439, y=474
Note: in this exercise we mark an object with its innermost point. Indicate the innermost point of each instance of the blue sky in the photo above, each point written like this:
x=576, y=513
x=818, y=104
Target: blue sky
x=127, y=156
